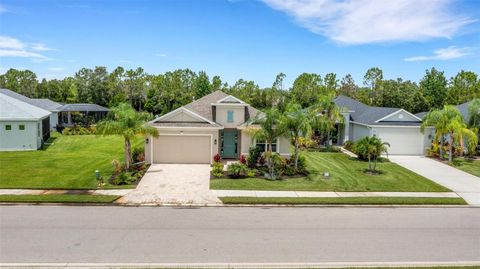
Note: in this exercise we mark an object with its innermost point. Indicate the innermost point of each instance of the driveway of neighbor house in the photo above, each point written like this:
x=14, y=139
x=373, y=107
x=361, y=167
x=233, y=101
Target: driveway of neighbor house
x=465, y=185
x=181, y=184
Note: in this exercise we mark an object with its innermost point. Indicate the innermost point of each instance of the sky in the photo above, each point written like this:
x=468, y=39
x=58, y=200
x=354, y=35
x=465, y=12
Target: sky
x=249, y=39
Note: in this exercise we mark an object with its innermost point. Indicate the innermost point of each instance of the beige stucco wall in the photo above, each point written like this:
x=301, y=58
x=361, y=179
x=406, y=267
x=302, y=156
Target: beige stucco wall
x=238, y=115
x=15, y=139
x=247, y=142
x=150, y=145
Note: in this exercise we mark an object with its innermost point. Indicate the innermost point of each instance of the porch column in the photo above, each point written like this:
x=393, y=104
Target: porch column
x=346, y=129
x=69, y=118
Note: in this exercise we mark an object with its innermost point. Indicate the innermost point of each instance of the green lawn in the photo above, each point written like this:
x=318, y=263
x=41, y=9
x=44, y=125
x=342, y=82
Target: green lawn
x=68, y=163
x=58, y=198
x=469, y=166
x=344, y=200
x=346, y=175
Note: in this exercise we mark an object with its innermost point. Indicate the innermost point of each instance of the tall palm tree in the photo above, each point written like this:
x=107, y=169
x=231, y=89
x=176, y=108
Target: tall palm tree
x=327, y=115
x=298, y=123
x=449, y=121
x=127, y=122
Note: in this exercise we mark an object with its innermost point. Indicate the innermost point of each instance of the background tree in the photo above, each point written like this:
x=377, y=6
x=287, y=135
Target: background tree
x=298, y=123
x=372, y=79
x=202, y=85
x=348, y=86
x=463, y=88
x=306, y=89
x=434, y=88
x=127, y=122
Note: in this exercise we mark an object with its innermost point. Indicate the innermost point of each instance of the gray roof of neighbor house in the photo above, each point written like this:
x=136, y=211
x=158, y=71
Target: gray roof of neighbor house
x=45, y=104
x=83, y=108
x=12, y=109
x=203, y=108
x=362, y=113
x=463, y=108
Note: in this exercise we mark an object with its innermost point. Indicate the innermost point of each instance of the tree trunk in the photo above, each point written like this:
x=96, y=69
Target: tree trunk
x=296, y=152
x=128, y=154
x=369, y=164
x=441, y=146
x=462, y=146
x=374, y=163
x=450, y=148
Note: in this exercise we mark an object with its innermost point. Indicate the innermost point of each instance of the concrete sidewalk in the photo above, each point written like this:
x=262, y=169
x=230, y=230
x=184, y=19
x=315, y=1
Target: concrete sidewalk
x=119, y=192
x=242, y=193
x=464, y=184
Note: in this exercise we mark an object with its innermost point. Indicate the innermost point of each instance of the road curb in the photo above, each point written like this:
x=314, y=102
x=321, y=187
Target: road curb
x=242, y=265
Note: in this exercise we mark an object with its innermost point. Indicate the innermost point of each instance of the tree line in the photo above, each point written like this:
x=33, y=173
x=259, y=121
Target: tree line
x=161, y=93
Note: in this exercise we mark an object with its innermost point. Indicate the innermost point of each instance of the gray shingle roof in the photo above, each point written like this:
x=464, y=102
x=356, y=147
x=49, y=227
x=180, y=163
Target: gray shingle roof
x=463, y=108
x=45, y=104
x=83, y=107
x=12, y=109
x=365, y=114
x=184, y=124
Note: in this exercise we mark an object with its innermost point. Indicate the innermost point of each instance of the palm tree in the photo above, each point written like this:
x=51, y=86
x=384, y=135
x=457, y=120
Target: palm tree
x=372, y=148
x=298, y=123
x=271, y=128
x=449, y=121
x=127, y=122
x=327, y=116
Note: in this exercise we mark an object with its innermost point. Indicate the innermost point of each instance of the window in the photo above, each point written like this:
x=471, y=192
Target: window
x=229, y=116
x=8, y=127
x=21, y=127
x=262, y=145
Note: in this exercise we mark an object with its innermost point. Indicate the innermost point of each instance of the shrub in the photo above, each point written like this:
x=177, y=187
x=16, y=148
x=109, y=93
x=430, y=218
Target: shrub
x=349, y=145
x=254, y=154
x=217, y=169
x=307, y=143
x=252, y=172
x=78, y=130
x=237, y=170
x=138, y=154
x=117, y=167
x=123, y=178
x=243, y=159
x=217, y=158
x=301, y=165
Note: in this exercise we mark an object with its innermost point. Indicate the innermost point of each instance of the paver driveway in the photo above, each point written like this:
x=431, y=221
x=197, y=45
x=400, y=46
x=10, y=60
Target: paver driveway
x=182, y=184
x=464, y=184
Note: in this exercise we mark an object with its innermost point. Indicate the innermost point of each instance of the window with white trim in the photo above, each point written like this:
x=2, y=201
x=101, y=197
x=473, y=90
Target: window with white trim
x=262, y=145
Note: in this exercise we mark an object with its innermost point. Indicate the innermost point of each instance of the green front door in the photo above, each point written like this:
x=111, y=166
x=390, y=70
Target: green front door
x=229, y=144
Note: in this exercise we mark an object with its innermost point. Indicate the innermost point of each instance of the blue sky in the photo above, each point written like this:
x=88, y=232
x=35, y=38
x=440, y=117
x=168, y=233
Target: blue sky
x=246, y=39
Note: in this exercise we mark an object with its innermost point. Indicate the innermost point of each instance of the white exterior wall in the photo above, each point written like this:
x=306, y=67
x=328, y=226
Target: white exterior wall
x=53, y=120
x=247, y=142
x=15, y=139
x=402, y=140
x=180, y=132
x=358, y=131
x=238, y=115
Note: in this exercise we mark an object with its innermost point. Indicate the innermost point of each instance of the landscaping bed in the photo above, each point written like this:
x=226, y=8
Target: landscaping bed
x=344, y=200
x=471, y=166
x=58, y=198
x=67, y=162
x=345, y=174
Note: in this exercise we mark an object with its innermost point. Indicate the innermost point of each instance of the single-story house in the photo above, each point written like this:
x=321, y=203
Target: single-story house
x=22, y=126
x=215, y=123
x=398, y=127
x=69, y=113
x=45, y=104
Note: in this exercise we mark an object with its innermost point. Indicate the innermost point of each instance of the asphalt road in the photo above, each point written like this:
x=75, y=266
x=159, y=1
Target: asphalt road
x=238, y=235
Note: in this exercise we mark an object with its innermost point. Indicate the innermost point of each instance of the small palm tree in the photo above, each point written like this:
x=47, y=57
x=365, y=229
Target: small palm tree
x=372, y=148
x=127, y=122
x=298, y=123
x=327, y=116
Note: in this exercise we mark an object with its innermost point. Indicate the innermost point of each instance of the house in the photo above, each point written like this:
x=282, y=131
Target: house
x=398, y=127
x=63, y=115
x=45, y=104
x=22, y=126
x=215, y=123
x=83, y=114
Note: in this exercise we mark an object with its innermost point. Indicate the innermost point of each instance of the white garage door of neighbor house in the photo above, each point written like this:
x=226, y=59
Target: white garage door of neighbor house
x=403, y=141
x=182, y=149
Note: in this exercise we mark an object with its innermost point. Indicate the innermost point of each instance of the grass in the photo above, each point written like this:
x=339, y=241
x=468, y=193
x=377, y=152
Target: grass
x=346, y=174
x=58, y=198
x=469, y=166
x=344, y=200
x=68, y=162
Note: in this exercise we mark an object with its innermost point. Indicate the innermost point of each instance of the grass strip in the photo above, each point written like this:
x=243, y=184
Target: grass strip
x=58, y=198
x=344, y=200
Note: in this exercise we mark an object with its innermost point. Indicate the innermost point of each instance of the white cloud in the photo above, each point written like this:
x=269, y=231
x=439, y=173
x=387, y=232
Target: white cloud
x=161, y=55
x=443, y=54
x=375, y=21
x=12, y=47
x=3, y=9
x=40, y=47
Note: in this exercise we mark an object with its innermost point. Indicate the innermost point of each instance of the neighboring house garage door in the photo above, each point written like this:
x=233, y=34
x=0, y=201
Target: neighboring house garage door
x=403, y=141
x=182, y=149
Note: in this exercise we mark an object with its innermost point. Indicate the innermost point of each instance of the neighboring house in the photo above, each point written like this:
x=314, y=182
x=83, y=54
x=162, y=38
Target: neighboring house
x=398, y=127
x=45, y=104
x=22, y=126
x=194, y=133
x=62, y=115
x=69, y=113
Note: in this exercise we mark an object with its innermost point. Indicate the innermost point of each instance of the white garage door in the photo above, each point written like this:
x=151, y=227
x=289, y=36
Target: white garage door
x=181, y=149
x=403, y=141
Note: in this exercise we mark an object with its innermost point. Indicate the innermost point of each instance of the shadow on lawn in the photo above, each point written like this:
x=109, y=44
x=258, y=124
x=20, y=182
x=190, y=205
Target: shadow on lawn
x=49, y=142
